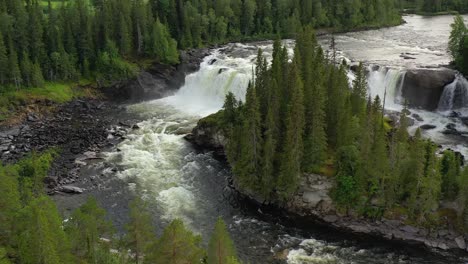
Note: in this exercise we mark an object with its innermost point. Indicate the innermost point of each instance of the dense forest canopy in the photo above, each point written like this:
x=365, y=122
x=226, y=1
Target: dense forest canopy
x=436, y=6
x=303, y=117
x=67, y=40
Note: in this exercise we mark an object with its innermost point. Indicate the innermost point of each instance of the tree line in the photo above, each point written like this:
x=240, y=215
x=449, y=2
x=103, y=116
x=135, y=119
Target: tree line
x=102, y=38
x=32, y=230
x=437, y=6
x=458, y=45
x=303, y=116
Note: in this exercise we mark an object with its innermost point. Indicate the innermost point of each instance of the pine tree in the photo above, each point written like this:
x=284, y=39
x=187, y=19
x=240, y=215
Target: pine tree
x=359, y=93
x=290, y=163
x=42, y=239
x=315, y=140
x=3, y=62
x=9, y=204
x=85, y=228
x=26, y=69
x=248, y=167
x=140, y=232
x=15, y=73
x=379, y=169
x=221, y=249
x=37, y=80
x=450, y=171
x=177, y=245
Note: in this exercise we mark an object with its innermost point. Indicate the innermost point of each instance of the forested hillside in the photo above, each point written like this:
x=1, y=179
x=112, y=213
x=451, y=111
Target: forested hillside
x=52, y=41
x=303, y=117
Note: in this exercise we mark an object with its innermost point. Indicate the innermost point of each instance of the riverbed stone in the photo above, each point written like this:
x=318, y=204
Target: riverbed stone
x=71, y=189
x=460, y=242
x=312, y=198
x=427, y=127
x=409, y=229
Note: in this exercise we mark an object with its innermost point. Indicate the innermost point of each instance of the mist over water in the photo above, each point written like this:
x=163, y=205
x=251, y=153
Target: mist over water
x=158, y=164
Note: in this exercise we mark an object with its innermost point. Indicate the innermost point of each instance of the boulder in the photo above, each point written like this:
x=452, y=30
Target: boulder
x=427, y=127
x=71, y=189
x=417, y=117
x=460, y=242
x=423, y=87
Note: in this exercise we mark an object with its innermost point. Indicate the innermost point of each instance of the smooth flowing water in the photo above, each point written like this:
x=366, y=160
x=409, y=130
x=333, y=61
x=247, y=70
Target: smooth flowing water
x=178, y=181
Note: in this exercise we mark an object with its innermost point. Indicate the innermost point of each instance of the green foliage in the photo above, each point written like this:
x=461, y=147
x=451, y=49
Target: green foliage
x=86, y=226
x=458, y=44
x=221, y=249
x=140, y=231
x=41, y=237
x=162, y=45
x=438, y=6
x=177, y=245
x=346, y=192
x=112, y=67
x=450, y=171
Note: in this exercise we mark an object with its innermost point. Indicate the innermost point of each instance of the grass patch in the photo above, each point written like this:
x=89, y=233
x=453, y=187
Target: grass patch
x=12, y=100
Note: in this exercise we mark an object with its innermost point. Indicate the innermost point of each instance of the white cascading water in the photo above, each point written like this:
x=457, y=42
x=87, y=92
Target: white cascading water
x=387, y=83
x=455, y=95
x=204, y=92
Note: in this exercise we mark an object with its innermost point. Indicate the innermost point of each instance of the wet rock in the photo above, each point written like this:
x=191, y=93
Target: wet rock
x=71, y=189
x=460, y=242
x=454, y=114
x=423, y=87
x=417, y=117
x=427, y=127
x=222, y=70
x=135, y=127
x=409, y=229
x=464, y=120
x=212, y=61
x=312, y=198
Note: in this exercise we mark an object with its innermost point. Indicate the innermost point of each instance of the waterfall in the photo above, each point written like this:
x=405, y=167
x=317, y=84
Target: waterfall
x=204, y=91
x=387, y=81
x=455, y=95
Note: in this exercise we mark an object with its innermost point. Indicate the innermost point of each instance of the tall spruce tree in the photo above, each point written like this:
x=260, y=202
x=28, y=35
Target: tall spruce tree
x=140, y=232
x=177, y=245
x=221, y=249
x=291, y=159
x=4, y=70
x=248, y=167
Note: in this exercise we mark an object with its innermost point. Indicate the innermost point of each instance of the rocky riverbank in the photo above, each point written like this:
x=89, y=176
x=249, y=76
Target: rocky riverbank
x=82, y=128
x=313, y=202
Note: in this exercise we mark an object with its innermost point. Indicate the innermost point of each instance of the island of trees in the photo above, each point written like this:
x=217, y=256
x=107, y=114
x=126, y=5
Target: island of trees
x=303, y=117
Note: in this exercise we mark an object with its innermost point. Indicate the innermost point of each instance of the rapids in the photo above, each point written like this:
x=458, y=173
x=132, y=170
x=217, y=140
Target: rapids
x=179, y=181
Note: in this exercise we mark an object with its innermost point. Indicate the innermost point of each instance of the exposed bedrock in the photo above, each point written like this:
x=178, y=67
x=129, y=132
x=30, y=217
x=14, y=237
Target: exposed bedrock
x=423, y=88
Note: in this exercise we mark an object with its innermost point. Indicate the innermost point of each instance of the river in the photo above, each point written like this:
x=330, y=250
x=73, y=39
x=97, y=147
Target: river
x=179, y=181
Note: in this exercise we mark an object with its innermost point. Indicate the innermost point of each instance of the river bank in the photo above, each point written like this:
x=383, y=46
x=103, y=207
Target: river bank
x=312, y=202
x=81, y=128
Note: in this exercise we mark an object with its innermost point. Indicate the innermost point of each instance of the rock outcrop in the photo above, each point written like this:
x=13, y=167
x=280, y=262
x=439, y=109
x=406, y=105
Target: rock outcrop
x=423, y=87
x=158, y=80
